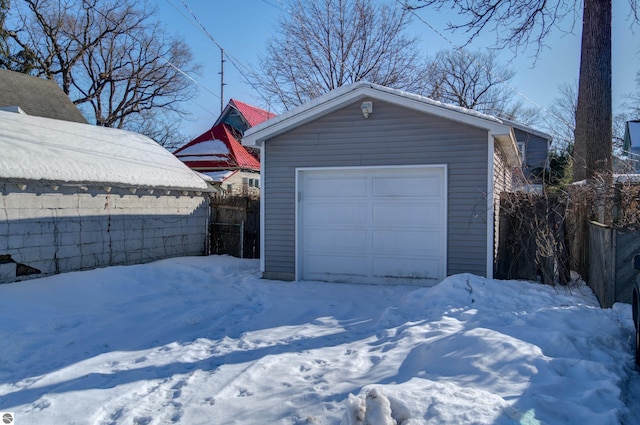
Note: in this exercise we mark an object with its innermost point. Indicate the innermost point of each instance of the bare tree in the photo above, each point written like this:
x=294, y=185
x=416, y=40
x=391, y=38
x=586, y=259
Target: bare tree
x=12, y=56
x=321, y=45
x=631, y=105
x=5, y=51
x=518, y=24
x=110, y=57
x=629, y=111
x=138, y=71
x=472, y=80
x=562, y=118
x=519, y=111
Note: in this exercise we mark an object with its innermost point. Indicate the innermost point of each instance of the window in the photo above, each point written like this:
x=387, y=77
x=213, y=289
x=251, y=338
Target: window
x=522, y=147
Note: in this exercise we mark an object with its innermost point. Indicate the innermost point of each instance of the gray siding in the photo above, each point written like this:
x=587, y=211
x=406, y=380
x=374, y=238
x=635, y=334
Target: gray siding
x=537, y=150
x=391, y=136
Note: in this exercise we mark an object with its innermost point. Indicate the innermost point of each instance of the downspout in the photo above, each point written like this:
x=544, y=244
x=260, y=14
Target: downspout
x=490, y=206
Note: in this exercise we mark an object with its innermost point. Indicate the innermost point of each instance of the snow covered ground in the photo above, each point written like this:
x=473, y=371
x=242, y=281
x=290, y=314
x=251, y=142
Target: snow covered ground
x=203, y=340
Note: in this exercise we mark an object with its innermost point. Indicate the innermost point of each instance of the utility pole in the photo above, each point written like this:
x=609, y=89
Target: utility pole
x=221, y=79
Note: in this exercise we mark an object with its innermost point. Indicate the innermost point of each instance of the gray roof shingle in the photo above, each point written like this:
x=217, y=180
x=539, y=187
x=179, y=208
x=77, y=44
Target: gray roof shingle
x=37, y=96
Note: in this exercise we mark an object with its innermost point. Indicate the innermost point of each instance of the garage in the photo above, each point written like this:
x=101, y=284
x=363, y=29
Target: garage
x=372, y=224
x=404, y=193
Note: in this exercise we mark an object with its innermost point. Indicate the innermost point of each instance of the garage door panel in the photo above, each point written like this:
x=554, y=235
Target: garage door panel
x=335, y=213
x=327, y=185
x=407, y=187
x=373, y=225
x=408, y=214
x=408, y=268
x=336, y=240
x=407, y=242
x=334, y=265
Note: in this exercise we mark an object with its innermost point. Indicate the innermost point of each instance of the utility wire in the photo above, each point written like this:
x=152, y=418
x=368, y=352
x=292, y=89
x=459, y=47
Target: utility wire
x=460, y=50
x=235, y=62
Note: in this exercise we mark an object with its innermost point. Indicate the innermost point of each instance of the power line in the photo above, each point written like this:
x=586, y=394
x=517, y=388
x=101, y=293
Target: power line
x=202, y=27
x=460, y=50
x=274, y=5
x=235, y=62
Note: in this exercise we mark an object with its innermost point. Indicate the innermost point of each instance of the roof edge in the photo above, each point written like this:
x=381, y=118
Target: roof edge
x=337, y=98
x=106, y=184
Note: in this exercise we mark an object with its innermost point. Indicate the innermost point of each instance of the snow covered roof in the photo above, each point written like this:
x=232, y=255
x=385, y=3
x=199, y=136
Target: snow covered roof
x=206, y=149
x=344, y=95
x=43, y=149
x=219, y=176
x=217, y=149
x=527, y=129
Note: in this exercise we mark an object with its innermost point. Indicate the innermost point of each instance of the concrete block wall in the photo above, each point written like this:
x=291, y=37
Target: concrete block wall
x=54, y=229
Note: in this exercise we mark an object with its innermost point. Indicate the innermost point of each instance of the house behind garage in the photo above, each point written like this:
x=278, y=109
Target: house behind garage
x=373, y=185
x=36, y=97
x=75, y=196
x=218, y=154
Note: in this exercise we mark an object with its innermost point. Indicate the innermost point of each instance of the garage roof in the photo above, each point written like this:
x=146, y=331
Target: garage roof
x=44, y=149
x=337, y=98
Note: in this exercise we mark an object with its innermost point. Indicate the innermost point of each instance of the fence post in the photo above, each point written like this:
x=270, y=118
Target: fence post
x=242, y=239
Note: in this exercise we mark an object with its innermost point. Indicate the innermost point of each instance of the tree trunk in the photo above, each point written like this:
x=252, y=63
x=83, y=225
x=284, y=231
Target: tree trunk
x=592, y=146
x=592, y=149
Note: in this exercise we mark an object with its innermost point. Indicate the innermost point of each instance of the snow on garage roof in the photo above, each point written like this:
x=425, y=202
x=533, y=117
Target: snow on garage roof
x=343, y=95
x=43, y=149
x=347, y=94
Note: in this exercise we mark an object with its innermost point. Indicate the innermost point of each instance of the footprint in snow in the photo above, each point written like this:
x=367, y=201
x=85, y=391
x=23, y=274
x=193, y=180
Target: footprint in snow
x=244, y=393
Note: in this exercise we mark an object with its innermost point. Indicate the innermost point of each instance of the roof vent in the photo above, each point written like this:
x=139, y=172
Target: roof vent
x=15, y=109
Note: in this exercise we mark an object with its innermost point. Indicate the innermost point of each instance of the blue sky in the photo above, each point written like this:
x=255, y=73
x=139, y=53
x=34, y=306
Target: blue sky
x=242, y=29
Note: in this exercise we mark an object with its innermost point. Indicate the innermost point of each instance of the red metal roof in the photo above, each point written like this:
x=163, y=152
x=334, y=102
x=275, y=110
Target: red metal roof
x=217, y=149
x=253, y=115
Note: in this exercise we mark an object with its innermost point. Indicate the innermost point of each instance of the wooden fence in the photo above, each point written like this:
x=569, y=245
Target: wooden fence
x=235, y=226
x=540, y=239
x=611, y=275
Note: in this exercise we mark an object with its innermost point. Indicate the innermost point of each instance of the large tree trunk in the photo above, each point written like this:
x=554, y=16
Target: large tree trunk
x=592, y=146
x=592, y=149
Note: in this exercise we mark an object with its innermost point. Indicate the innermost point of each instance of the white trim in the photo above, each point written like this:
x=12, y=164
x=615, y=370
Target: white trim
x=263, y=180
x=369, y=167
x=490, y=206
x=297, y=243
x=344, y=95
x=446, y=219
x=527, y=129
x=298, y=199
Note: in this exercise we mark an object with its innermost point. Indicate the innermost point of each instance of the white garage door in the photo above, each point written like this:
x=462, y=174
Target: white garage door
x=372, y=225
